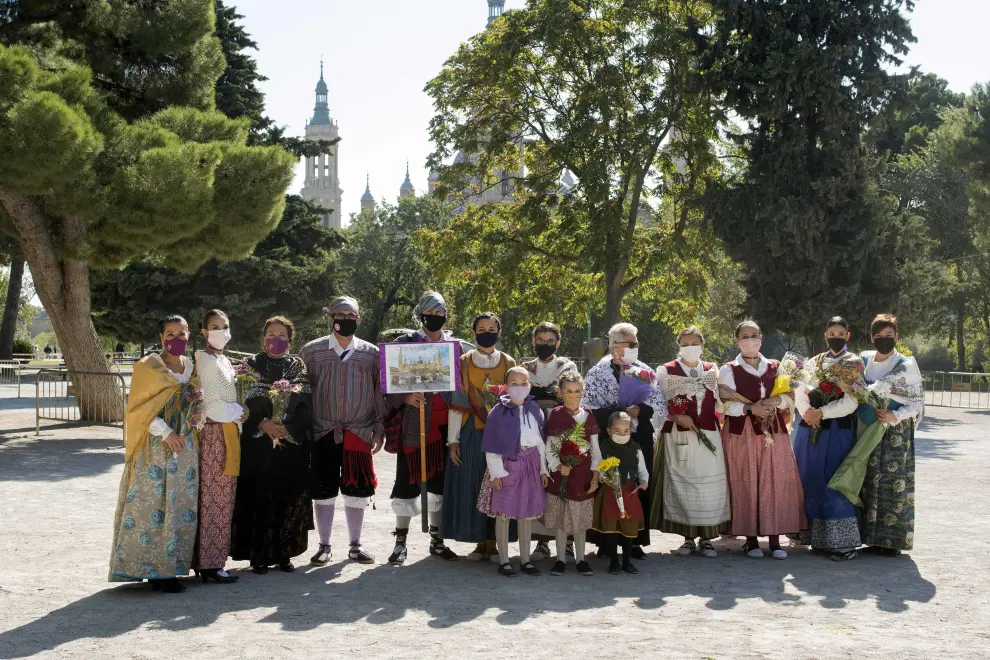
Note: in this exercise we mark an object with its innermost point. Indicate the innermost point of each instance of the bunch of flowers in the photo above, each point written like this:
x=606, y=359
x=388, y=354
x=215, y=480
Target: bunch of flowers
x=279, y=394
x=492, y=394
x=788, y=374
x=608, y=469
x=195, y=416
x=680, y=405
x=570, y=448
x=828, y=384
x=635, y=385
x=246, y=379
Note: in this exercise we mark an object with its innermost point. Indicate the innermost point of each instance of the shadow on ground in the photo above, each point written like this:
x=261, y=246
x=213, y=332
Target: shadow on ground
x=385, y=594
x=45, y=459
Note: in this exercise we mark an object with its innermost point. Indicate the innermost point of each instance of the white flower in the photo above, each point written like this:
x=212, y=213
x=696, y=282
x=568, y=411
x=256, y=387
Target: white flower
x=899, y=486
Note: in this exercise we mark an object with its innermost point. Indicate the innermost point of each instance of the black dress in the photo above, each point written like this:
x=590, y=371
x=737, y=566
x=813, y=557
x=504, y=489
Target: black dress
x=273, y=512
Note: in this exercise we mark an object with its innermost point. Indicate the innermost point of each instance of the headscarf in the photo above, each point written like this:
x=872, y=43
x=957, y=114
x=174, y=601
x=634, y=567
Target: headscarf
x=431, y=302
x=343, y=305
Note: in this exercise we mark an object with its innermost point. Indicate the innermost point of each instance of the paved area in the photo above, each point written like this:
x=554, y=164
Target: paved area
x=57, y=494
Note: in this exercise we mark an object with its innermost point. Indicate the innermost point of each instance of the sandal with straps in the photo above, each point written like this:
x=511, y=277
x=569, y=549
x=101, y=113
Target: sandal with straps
x=845, y=555
x=708, y=550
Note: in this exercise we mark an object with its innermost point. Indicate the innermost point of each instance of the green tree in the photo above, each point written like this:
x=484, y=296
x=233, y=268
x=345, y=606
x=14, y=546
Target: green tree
x=594, y=88
x=113, y=151
x=384, y=266
x=291, y=272
x=804, y=212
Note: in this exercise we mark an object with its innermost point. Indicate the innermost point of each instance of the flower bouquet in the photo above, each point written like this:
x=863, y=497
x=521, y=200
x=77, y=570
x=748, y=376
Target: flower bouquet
x=279, y=394
x=246, y=378
x=492, y=394
x=608, y=469
x=680, y=405
x=828, y=384
x=635, y=385
x=570, y=448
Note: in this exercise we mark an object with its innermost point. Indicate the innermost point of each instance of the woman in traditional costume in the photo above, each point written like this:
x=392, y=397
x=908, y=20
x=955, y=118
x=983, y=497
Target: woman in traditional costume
x=888, y=489
x=219, y=450
x=155, y=523
x=482, y=370
x=764, y=484
x=825, y=436
x=273, y=512
x=692, y=491
x=605, y=393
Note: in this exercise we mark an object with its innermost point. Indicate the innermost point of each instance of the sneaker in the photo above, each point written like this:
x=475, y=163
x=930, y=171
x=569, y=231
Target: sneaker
x=584, y=568
x=358, y=554
x=708, y=550
x=778, y=553
x=637, y=552
x=757, y=553
x=542, y=551
x=529, y=569
x=686, y=549
x=627, y=567
x=478, y=554
x=558, y=568
x=493, y=558
x=322, y=556
x=507, y=570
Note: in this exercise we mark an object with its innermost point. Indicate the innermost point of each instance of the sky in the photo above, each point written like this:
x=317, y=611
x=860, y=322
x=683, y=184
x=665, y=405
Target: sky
x=379, y=54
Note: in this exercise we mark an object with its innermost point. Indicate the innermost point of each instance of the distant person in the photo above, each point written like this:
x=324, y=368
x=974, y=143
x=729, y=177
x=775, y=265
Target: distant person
x=978, y=358
x=119, y=349
x=48, y=351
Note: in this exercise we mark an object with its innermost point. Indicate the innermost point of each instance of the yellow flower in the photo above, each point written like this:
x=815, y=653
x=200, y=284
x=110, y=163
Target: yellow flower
x=607, y=464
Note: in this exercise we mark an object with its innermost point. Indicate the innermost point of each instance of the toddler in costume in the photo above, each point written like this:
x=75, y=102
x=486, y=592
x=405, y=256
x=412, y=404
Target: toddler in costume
x=574, y=513
x=618, y=526
x=515, y=451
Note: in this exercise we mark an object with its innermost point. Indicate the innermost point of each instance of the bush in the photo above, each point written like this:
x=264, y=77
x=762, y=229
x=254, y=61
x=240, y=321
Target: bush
x=23, y=345
x=931, y=354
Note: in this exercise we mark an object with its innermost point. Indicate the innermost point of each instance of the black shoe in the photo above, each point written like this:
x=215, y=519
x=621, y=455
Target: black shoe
x=584, y=568
x=636, y=552
x=214, y=574
x=287, y=567
x=438, y=548
x=358, y=554
x=558, y=568
x=627, y=567
x=168, y=586
x=614, y=568
x=260, y=570
x=529, y=569
x=399, y=553
x=507, y=570
x=322, y=556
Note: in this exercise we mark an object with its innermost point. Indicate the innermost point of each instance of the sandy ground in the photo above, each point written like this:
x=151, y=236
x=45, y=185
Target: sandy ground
x=57, y=495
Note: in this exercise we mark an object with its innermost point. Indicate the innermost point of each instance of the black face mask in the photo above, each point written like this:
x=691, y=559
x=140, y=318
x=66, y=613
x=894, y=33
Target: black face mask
x=433, y=323
x=345, y=327
x=545, y=351
x=836, y=344
x=884, y=345
x=486, y=339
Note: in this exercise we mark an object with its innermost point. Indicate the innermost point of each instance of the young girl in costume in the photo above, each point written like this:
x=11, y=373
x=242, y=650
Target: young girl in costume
x=515, y=452
x=574, y=513
x=621, y=526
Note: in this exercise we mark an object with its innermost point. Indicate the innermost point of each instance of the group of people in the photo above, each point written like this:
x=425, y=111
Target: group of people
x=699, y=452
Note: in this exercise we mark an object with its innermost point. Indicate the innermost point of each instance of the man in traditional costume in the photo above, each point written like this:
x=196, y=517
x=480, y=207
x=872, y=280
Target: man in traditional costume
x=348, y=425
x=431, y=314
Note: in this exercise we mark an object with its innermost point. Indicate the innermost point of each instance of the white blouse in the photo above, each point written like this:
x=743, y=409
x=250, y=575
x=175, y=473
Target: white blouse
x=529, y=436
x=596, y=453
x=455, y=418
x=159, y=427
x=877, y=370
x=728, y=378
x=219, y=388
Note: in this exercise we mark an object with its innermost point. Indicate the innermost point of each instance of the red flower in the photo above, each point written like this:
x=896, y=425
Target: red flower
x=678, y=406
x=827, y=387
x=570, y=449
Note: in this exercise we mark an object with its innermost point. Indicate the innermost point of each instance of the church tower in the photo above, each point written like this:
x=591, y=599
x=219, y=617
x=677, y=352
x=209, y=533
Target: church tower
x=322, y=183
x=495, y=9
x=367, y=200
x=407, y=189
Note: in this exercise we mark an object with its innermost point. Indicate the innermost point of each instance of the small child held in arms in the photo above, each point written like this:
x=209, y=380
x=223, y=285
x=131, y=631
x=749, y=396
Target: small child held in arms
x=515, y=450
x=573, y=514
x=621, y=526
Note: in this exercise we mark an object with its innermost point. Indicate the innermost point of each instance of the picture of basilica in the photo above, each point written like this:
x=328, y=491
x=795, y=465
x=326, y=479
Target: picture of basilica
x=420, y=367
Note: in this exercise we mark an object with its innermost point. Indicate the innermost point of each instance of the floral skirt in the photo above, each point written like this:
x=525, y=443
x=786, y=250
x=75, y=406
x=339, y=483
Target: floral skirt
x=888, y=491
x=522, y=496
x=155, y=523
x=568, y=516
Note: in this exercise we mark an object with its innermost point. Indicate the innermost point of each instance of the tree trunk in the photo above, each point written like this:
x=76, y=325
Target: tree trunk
x=961, y=320
x=62, y=283
x=613, y=300
x=8, y=328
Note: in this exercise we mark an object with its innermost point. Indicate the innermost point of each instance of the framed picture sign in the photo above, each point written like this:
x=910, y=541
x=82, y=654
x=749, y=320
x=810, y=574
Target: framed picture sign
x=420, y=367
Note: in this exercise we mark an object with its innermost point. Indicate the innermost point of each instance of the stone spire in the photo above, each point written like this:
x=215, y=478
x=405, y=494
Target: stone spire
x=367, y=200
x=495, y=9
x=407, y=189
x=321, y=112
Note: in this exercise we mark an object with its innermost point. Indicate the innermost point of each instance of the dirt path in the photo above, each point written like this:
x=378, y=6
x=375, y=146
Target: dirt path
x=56, y=507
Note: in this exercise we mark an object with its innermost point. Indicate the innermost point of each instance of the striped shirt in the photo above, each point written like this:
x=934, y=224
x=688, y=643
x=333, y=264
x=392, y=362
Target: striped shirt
x=346, y=393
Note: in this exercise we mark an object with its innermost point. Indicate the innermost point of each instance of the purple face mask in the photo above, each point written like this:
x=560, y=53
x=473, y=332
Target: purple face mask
x=276, y=345
x=518, y=392
x=176, y=346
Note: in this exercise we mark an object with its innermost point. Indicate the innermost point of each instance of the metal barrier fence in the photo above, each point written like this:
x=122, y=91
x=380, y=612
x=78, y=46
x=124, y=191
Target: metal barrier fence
x=56, y=399
x=955, y=389
x=10, y=374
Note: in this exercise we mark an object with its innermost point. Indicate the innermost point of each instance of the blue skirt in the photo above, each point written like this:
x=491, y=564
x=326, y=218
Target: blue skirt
x=831, y=517
x=461, y=520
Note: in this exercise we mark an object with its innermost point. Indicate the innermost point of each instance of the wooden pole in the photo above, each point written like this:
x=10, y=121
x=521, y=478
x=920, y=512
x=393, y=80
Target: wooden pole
x=422, y=465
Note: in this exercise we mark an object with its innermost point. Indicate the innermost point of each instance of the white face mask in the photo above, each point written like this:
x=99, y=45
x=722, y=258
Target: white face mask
x=630, y=356
x=620, y=439
x=691, y=353
x=219, y=338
